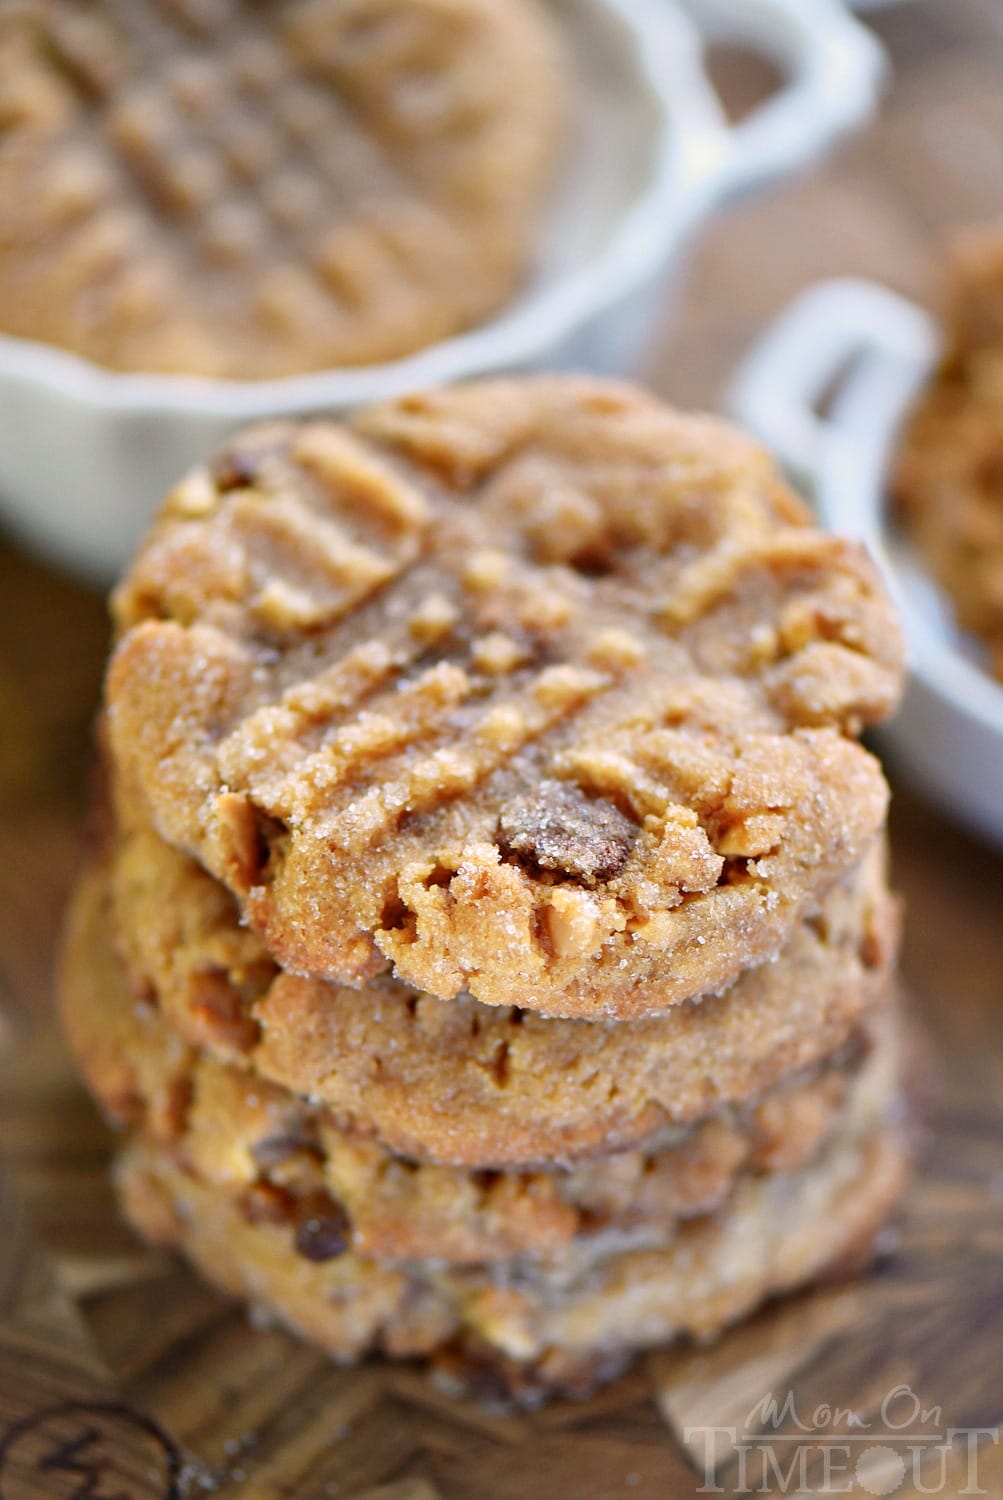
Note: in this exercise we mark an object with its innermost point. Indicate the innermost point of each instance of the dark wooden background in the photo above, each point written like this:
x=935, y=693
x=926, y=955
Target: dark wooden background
x=88, y=1316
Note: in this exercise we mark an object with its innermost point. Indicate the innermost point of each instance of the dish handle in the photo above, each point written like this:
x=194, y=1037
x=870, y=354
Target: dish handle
x=803, y=356
x=836, y=69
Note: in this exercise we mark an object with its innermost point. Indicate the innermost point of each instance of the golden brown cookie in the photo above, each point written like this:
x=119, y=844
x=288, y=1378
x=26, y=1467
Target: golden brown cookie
x=779, y=1231
x=486, y=1086
x=973, y=294
x=534, y=689
x=948, y=476
x=240, y=190
x=274, y=1149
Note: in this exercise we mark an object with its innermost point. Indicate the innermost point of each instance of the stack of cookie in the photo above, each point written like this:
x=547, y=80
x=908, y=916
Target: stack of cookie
x=491, y=955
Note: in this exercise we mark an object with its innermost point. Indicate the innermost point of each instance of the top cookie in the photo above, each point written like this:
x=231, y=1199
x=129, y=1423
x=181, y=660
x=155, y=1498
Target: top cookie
x=535, y=689
x=240, y=190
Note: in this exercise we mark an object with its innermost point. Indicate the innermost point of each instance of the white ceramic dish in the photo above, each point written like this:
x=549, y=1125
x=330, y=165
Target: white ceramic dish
x=85, y=453
x=949, y=735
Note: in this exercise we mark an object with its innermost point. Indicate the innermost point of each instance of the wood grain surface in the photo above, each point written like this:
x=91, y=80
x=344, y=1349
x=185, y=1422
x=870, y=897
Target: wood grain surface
x=123, y=1378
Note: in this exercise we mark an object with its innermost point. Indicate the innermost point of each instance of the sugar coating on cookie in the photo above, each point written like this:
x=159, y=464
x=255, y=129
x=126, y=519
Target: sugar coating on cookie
x=532, y=689
x=249, y=191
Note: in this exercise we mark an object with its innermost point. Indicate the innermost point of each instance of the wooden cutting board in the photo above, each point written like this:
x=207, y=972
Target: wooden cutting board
x=123, y=1378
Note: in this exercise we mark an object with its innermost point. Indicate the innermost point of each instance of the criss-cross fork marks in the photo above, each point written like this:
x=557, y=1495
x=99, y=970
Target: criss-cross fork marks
x=401, y=654
x=316, y=752
x=296, y=182
x=236, y=142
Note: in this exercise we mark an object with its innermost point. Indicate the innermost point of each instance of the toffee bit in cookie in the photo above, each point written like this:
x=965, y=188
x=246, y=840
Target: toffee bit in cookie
x=275, y=1150
x=266, y=1203
x=556, y=827
x=325, y=1234
x=244, y=460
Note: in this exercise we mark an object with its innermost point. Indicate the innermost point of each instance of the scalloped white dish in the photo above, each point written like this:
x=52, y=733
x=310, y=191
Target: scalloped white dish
x=948, y=736
x=85, y=453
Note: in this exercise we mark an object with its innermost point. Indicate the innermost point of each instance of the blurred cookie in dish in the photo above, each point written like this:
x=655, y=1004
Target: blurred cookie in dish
x=948, y=480
x=241, y=191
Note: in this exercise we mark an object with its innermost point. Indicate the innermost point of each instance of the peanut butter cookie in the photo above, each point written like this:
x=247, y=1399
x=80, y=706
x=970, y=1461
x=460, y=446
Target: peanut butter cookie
x=486, y=1086
x=540, y=1329
x=948, y=477
x=274, y=1148
x=247, y=191
x=533, y=689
